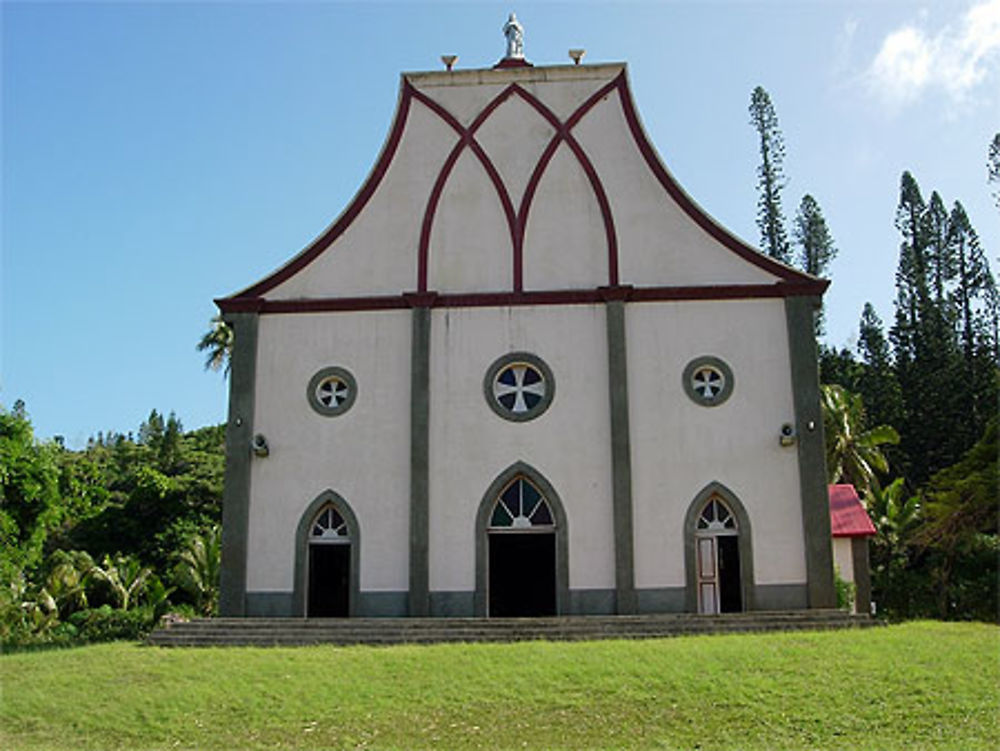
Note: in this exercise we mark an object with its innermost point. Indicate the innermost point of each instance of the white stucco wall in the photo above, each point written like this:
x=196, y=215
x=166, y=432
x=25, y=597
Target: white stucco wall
x=565, y=243
x=843, y=558
x=470, y=247
x=363, y=454
x=679, y=447
x=569, y=444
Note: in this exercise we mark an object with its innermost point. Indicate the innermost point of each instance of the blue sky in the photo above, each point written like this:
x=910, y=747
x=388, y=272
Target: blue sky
x=158, y=155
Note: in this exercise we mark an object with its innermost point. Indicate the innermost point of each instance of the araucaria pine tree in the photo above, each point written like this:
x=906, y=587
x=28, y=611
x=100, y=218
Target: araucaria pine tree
x=770, y=177
x=944, y=337
x=816, y=248
x=877, y=382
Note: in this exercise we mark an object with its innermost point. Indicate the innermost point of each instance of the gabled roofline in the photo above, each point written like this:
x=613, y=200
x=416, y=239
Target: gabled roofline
x=696, y=212
x=793, y=282
x=348, y=215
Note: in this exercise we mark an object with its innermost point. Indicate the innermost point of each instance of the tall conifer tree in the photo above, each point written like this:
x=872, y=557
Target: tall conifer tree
x=944, y=337
x=877, y=383
x=816, y=248
x=770, y=177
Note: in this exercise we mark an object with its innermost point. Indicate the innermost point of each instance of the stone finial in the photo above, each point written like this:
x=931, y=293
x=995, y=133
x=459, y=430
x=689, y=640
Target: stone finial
x=515, y=38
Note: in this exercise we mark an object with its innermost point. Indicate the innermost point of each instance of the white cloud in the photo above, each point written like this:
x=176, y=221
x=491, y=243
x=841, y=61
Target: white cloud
x=956, y=59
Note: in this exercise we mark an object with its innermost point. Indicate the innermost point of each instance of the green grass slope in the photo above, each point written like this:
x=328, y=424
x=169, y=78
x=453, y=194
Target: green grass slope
x=913, y=686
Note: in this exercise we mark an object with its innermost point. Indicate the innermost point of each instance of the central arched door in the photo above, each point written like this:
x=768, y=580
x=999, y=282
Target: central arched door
x=522, y=553
x=329, y=591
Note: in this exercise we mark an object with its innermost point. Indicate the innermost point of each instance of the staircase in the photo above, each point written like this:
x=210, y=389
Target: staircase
x=273, y=632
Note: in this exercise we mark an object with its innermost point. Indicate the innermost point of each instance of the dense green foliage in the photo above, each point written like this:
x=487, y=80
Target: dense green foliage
x=935, y=379
x=914, y=686
x=93, y=539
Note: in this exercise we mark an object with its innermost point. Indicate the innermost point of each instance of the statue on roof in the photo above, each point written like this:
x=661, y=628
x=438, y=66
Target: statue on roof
x=515, y=38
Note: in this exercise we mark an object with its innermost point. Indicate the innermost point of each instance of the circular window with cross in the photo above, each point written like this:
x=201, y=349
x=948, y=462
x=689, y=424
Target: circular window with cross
x=708, y=381
x=332, y=391
x=519, y=386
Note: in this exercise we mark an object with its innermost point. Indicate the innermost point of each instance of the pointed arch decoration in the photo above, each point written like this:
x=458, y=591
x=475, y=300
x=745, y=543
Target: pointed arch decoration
x=705, y=496
x=517, y=222
x=327, y=499
x=792, y=282
x=517, y=470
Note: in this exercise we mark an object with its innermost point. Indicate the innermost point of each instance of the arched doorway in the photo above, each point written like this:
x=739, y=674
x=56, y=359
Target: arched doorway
x=522, y=558
x=521, y=550
x=717, y=542
x=329, y=591
x=326, y=559
x=718, y=557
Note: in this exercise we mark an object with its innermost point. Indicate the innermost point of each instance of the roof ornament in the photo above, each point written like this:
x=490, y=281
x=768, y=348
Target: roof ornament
x=514, y=32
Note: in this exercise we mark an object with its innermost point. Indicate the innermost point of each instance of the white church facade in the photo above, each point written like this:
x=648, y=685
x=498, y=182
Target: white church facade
x=523, y=373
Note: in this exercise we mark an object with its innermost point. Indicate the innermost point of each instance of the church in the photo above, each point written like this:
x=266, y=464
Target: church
x=523, y=373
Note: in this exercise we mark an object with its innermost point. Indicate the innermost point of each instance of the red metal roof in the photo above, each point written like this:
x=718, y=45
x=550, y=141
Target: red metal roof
x=848, y=517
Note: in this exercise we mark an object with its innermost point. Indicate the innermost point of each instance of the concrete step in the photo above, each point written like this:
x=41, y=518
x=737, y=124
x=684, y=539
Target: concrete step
x=386, y=631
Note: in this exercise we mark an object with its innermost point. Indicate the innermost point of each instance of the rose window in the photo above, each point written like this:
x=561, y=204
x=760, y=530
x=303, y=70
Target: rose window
x=331, y=391
x=519, y=386
x=708, y=381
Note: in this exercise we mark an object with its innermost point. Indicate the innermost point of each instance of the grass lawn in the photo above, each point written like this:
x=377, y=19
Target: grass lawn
x=913, y=686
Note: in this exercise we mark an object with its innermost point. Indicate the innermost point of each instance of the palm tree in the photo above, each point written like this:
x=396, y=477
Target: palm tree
x=218, y=341
x=853, y=454
x=125, y=576
x=198, y=569
x=895, y=515
x=66, y=583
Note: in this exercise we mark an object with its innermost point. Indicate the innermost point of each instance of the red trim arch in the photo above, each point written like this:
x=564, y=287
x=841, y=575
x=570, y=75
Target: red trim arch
x=517, y=223
x=793, y=282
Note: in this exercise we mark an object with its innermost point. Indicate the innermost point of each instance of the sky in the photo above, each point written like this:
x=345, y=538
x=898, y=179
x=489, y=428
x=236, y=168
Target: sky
x=156, y=156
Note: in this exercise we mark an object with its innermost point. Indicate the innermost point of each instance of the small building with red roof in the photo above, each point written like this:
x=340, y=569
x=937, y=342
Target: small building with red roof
x=851, y=528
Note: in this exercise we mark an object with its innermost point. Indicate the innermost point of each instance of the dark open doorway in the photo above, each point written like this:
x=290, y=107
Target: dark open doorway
x=730, y=596
x=329, y=581
x=522, y=574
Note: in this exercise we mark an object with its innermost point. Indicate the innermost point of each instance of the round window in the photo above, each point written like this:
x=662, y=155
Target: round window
x=708, y=381
x=332, y=391
x=519, y=386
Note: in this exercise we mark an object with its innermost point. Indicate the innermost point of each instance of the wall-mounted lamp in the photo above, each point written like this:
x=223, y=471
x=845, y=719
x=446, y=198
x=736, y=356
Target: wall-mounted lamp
x=259, y=445
x=787, y=435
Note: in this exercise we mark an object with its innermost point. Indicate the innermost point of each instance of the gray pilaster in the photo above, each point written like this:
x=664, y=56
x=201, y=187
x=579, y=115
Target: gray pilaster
x=812, y=459
x=862, y=575
x=236, y=493
x=621, y=458
x=420, y=353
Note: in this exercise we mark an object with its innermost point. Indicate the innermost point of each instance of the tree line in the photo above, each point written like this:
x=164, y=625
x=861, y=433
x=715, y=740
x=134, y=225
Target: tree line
x=911, y=416
x=100, y=543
